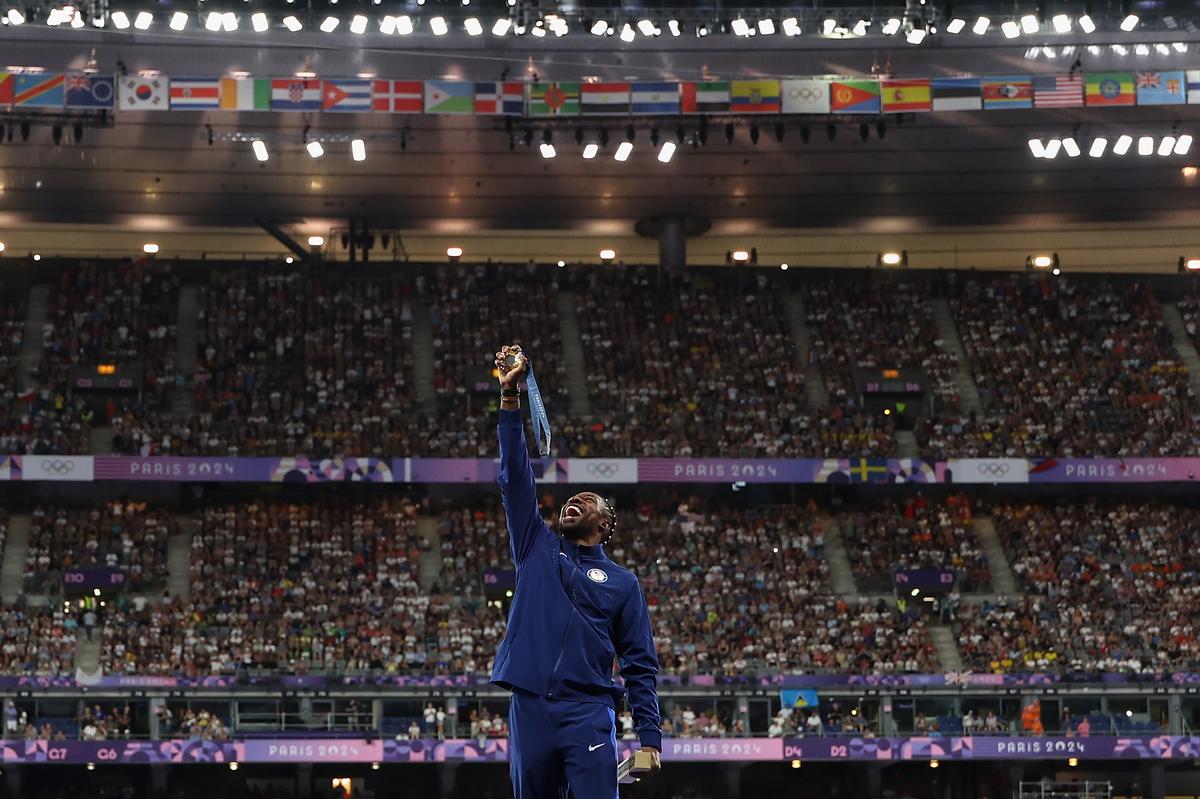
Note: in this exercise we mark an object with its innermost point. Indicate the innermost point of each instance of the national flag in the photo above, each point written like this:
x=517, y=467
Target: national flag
x=346, y=96
x=295, y=94
x=195, y=94
x=799, y=697
x=907, y=95
x=38, y=91
x=1057, y=91
x=704, y=98
x=754, y=97
x=1193, y=85
x=804, y=96
x=1110, y=88
x=854, y=97
x=493, y=97
x=89, y=91
x=1011, y=91
x=655, y=97
x=6, y=88
x=553, y=99
x=449, y=97
x=1161, y=88
x=135, y=93
x=245, y=94
x=398, y=96
x=604, y=98
x=956, y=94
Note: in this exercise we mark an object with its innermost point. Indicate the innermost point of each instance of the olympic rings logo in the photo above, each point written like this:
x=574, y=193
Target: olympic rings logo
x=806, y=94
x=992, y=469
x=602, y=468
x=58, y=466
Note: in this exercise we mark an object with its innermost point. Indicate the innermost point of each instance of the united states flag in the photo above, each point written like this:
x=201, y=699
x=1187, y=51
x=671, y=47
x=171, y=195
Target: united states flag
x=1058, y=91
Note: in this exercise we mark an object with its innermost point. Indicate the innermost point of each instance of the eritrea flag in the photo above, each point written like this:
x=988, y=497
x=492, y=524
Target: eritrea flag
x=854, y=97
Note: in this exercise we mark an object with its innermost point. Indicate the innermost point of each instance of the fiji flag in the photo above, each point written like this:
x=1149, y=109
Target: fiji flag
x=38, y=91
x=1161, y=88
x=90, y=91
x=803, y=697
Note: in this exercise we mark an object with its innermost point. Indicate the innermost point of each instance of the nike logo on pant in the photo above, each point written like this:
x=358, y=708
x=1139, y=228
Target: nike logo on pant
x=595, y=747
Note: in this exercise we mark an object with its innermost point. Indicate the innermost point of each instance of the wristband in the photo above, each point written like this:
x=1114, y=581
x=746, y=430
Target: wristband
x=510, y=393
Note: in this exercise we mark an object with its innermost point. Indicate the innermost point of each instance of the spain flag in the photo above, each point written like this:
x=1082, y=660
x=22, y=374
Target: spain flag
x=907, y=95
x=754, y=96
x=1110, y=88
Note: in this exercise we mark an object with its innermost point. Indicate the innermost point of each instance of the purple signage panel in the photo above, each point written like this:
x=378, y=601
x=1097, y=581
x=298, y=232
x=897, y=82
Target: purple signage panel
x=720, y=470
x=173, y=751
x=992, y=748
x=176, y=469
x=925, y=579
x=1115, y=470
x=313, y=750
x=91, y=579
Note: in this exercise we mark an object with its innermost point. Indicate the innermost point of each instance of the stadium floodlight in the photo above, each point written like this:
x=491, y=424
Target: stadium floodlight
x=1037, y=148
x=1129, y=23
x=77, y=20
x=143, y=20
x=329, y=24
x=213, y=21
x=590, y=150
x=627, y=34
x=1190, y=264
x=1086, y=24
x=1162, y=49
x=784, y=267
x=956, y=25
x=120, y=19
x=1061, y=23
x=740, y=27
x=1011, y=29
x=1183, y=144
x=607, y=255
x=645, y=27
x=260, y=149
x=981, y=26
x=740, y=256
x=358, y=149
x=358, y=25
x=886, y=258
x=891, y=27
x=1122, y=144
x=1098, y=146
x=829, y=26
x=229, y=22
x=1029, y=24
x=915, y=36
x=599, y=27
x=178, y=21
x=293, y=24
x=667, y=152
x=1145, y=145
x=315, y=149
x=1166, y=146
x=1141, y=49
x=1052, y=148
x=673, y=27
x=316, y=241
x=438, y=26
x=454, y=253
x=259, y=22
x=1042, y=261
x=473, y=26
x=387, y=24
x=501, y=26
x=1120, y=50
x=1094, y=49
x=791, y=27
x=1179, y=47
x=1049, y=52
x=1072, y=148
x=547, y=150
x=624, y=150
x=15, y=17
x=766, y=26
x=150, y=248
x=860, y=27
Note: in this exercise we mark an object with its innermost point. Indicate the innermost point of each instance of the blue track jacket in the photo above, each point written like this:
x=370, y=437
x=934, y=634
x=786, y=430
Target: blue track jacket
x=574, y=610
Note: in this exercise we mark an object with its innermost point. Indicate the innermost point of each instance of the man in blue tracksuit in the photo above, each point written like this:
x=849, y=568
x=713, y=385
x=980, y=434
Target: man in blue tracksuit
x=573, y=613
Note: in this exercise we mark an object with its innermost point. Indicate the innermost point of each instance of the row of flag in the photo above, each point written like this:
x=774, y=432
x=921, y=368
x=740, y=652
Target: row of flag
x=766, y=96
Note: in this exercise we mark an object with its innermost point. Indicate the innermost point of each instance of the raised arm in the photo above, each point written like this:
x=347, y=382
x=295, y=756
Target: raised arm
x=639, y=668
x=517, y=487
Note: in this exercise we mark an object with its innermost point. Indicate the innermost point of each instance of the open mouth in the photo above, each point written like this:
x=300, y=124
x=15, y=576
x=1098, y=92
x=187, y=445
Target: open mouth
x=572, y=512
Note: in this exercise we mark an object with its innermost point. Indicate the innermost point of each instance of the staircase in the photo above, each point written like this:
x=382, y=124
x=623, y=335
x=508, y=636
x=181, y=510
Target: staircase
x=1183, y=343
x=948, y=333
x=100, y=440
x=943, y=640
x=32, y=346
x=179, y=560
x=87, y=653
x=431, y=558
x=187, y=337
x=422, y=341
x=1004, y=582
x=841, y=576
x=814, y=386
x=572, y=355
x=12, y=571
x=906, y=444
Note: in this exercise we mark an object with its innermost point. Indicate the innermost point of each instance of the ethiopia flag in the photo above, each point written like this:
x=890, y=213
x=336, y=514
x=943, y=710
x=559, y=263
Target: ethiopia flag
x=1110, y=88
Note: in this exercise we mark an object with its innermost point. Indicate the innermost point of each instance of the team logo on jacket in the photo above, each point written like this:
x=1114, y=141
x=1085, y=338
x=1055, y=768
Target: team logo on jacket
x=597, y=576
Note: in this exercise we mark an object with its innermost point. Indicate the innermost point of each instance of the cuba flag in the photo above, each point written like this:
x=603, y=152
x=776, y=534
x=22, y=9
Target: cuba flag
x=802, y=697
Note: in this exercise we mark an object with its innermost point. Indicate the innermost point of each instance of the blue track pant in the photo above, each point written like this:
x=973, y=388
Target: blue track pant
x=553, y=746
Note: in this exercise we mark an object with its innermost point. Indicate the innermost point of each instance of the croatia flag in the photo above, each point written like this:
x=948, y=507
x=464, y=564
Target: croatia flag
x=295, y=94
x=500, y=98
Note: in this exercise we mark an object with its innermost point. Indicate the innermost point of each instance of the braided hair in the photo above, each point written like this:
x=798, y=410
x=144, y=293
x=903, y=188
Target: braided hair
x=612, y=520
